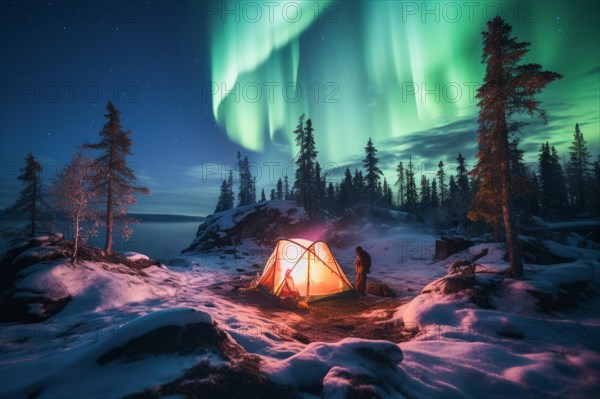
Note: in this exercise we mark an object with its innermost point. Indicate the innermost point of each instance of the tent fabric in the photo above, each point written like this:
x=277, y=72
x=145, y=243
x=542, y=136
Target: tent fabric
x=309, y=266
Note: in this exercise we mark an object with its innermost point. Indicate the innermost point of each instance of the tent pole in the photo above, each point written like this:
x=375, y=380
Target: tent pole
x=308, y=276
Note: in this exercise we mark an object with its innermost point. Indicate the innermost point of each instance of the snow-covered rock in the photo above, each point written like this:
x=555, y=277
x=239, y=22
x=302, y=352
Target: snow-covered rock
x=350, y=366
x=135, y=256
x=40, y=281
x=264, y=222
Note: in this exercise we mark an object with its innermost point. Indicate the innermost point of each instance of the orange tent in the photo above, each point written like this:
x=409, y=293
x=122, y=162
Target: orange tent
x=305, y=268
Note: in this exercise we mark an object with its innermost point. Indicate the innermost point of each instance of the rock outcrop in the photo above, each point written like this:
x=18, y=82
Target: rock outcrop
x=262, y=223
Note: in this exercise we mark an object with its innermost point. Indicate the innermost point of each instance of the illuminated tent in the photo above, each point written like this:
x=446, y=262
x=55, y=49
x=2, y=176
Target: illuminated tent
x=306, y=268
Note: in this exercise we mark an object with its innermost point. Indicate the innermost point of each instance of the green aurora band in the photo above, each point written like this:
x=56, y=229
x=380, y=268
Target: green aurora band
x=385, y=69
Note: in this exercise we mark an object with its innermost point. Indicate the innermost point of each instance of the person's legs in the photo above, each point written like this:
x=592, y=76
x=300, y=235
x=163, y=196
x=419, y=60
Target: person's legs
x=361, y=283
x=364, y=284
x=357, y=283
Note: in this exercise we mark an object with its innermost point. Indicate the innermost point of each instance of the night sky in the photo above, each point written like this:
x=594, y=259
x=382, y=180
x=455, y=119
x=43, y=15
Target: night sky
x=399, y=72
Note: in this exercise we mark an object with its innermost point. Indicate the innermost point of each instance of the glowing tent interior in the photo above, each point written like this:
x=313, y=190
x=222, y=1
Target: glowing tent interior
x=306, y=268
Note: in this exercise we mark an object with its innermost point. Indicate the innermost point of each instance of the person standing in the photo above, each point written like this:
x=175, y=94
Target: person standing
x=363, y=267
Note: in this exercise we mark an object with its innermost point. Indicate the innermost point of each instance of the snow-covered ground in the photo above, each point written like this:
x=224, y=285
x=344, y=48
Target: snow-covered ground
x=523, y=340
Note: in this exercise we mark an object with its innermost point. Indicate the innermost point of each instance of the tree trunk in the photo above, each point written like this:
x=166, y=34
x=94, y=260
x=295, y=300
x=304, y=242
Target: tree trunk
x=512, y=246
x=75, y=238
x=54, y=220
x=581, y=183
x=33, y=210
x=109, y=219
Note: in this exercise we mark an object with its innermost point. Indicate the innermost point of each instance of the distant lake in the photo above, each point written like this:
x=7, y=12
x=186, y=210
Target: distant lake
x=158, y=236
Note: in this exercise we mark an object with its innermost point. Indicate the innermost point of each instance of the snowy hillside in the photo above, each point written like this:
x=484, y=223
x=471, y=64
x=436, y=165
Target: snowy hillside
x=191, y=328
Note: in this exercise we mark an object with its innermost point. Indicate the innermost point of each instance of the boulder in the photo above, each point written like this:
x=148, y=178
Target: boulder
x=263, y=223
x=379, y=289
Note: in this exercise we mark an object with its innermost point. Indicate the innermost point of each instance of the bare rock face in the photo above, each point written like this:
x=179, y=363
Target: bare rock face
x=263, y=223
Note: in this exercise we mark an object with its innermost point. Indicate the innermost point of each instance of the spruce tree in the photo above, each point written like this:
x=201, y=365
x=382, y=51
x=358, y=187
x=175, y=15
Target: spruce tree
x=345, y=197
x=320, y=187
x=30, y=200
x=372, y=176
x=545, y=177
x=252, y=189
x=358, y=186
x=388, y=195
x=230, y=199
x=596, y=188
x=305, y=185
x=508, y=88
x=578, y=169
x=263, y=198
x=279, y=191
x=488, y=207
x=114, y=179
x=552, y=184
x=462, y=177
x=401, y=183
x=273, y=195
x=330, y=197
x=435, y=198
x=411, y=187
x=559, y=198
x=463, y=197
x=301, y=166
x=425, y=202
x=226, y=196
x=311, y=183
x=247, y=186
x=453, y=193
x=221, y=201
x=286, y=188
x=442, y=188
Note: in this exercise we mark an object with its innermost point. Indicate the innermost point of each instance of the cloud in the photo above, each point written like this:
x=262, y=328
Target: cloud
x=427, y=147
x=146, y=180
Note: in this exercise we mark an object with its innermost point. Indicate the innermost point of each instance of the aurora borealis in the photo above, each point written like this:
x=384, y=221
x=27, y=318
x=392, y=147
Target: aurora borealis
x=387, y=69
x=197, y=82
